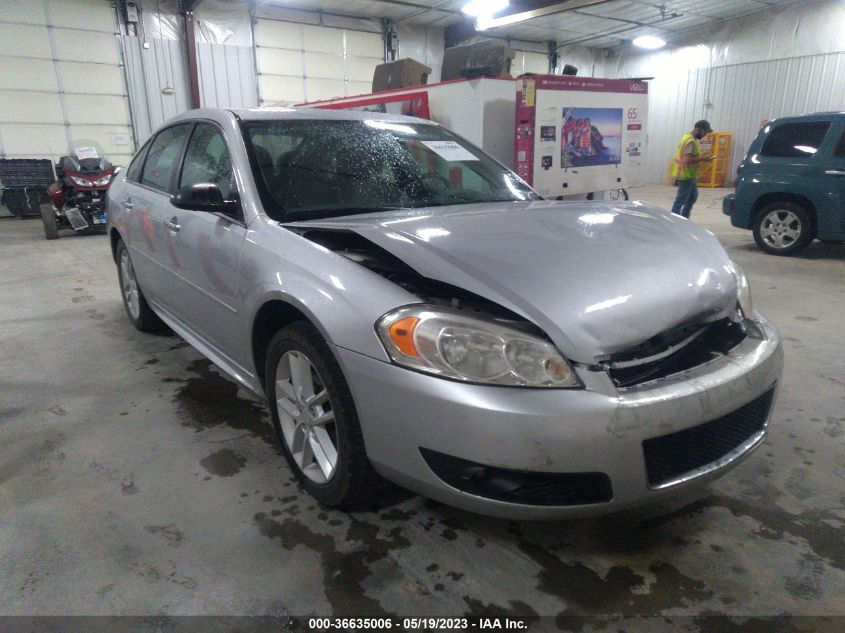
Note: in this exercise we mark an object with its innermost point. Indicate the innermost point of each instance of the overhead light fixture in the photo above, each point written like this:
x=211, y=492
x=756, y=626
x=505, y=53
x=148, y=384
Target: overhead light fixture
x=651, y=42
x=484, y=8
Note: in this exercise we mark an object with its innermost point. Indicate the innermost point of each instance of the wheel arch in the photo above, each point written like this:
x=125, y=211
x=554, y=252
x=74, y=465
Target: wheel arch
x=273, y=315
x=770, y=198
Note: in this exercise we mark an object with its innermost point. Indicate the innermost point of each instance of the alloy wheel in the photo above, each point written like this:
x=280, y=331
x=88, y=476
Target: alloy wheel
x=129, y=285
x=781, y=228
x=306, y=416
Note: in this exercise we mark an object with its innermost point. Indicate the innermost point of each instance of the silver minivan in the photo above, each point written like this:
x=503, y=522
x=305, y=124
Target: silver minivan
x=413, y=311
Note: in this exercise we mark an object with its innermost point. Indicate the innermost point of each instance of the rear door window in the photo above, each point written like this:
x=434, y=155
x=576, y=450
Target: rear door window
x=795, y=140
x=163, y=156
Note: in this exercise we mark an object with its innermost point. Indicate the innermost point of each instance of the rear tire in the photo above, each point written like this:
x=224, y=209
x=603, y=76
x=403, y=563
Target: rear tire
x=51, y=225
x=783, y=228
x=315, y=419
x=137, y=308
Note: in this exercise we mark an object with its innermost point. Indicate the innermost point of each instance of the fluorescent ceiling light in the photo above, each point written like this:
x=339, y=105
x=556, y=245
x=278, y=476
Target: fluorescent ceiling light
x=650, y=42
x=484, y=8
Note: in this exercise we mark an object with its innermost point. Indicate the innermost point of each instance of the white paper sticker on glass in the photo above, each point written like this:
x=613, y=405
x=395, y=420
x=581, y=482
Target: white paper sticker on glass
x=86, y=152
x=449, y=150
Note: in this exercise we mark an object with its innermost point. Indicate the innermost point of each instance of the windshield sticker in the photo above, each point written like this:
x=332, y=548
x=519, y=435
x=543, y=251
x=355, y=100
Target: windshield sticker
x=449, y=150
x=86, y=152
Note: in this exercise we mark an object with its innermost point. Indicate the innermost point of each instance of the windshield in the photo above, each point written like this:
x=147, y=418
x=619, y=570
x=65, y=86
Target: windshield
x=310, y=169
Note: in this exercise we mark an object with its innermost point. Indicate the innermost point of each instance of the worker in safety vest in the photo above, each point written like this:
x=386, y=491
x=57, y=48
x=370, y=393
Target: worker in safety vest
x=686, y=167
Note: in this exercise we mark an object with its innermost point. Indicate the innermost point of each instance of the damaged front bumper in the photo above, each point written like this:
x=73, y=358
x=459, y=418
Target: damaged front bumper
x=545, y=453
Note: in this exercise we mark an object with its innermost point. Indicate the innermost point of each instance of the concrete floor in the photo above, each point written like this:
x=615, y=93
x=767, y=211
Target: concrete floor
x=136, y=479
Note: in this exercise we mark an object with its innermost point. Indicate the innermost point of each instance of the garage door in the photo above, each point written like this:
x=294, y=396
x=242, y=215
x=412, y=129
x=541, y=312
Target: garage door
x=45, y=105
x=301, y=62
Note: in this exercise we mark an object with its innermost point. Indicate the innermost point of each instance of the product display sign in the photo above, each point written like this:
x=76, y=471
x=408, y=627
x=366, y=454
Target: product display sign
x=578, y=135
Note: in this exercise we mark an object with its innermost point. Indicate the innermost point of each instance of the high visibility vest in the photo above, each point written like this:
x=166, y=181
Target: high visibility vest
x=686, y=172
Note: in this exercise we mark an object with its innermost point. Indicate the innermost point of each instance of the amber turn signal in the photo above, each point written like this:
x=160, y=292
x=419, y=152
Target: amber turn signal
x=402, y=334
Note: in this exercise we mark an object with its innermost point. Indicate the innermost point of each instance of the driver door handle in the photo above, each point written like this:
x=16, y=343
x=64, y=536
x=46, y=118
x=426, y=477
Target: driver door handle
x=835, y=172
x=172, y=225
x=127, y=204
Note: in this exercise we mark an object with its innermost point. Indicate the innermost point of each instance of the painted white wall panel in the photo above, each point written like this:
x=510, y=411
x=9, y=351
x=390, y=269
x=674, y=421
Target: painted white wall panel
x=298, y=62
x=27, y=74
x=279, y=61
x=32, y=12
x=81, y=14
x=322, y=39
x=96, y=109
x=324, y=88
x=364, y=44
x=44, y=99
x=361, y=69
x=34, y=141
x=27, y=107
x=83, y=46
x=105, y=136
x=324, y=66
x=92, y=78
x=24, y=41
x=276, y=88
x=278, y=34
x=359, y=87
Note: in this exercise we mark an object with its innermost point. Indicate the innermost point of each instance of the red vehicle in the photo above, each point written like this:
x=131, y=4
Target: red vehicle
x=79, y=193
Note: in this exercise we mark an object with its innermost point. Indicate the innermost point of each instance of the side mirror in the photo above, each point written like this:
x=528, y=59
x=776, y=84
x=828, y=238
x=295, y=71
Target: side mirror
x=202, y=196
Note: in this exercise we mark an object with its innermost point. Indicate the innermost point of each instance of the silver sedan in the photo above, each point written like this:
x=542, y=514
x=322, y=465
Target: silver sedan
x=414, y=312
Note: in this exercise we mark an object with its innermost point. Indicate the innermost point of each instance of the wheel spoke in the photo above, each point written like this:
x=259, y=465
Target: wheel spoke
x=306, y=457
x=793, y=233
x=300, y=375
x=323, y=450
x=285, y=388
x=323, y=419
x=318, y=398
x=288, y=406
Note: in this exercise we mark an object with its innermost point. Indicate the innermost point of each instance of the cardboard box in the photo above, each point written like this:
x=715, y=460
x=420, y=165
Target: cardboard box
x=487, y=58
x=403, y=73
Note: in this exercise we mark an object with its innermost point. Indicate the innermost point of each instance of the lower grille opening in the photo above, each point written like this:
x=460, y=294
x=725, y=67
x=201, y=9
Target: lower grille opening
x=517, y=486
x=668, y=457
x=716, y=339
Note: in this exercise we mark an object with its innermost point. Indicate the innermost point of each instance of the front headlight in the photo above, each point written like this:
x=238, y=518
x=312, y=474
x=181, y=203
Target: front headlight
x=743, y=292
x=455, y=345
x=101, y=182
x=82, y=182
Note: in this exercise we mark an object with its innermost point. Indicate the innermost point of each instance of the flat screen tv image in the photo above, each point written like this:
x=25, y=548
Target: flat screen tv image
x=591, y=137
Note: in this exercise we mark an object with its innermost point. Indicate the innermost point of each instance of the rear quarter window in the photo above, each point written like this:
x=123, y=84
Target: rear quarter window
x=795, y=140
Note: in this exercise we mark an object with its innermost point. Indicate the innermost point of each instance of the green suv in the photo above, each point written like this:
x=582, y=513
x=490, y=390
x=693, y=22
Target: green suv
x=790, y=187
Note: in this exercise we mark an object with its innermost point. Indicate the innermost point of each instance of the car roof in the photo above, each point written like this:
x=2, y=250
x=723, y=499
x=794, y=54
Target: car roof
x=281, y=114
x=816, y=116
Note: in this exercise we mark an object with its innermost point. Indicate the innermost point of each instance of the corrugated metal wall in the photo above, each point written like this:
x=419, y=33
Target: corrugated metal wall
x=736, y=99
x=227, y=76
x=158, y=82
x=745, y=94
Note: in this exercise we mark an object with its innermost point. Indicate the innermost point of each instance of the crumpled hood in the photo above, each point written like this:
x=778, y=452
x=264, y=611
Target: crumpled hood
x=598, y=278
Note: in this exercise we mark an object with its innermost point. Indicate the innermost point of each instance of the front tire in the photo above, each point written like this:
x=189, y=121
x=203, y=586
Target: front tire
x=315, y=418
x=51, y=225
x=783, y=228
x=137, y=308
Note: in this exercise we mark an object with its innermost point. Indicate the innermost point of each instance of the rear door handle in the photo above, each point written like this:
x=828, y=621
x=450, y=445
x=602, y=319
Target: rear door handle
x=835, y=172
x=172, y=225
x=127, y=204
